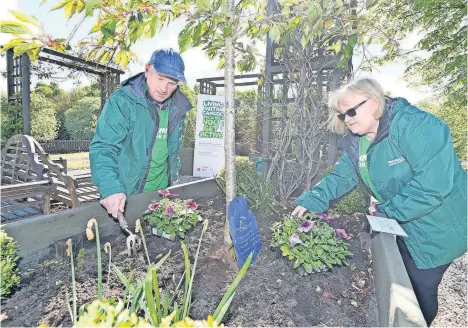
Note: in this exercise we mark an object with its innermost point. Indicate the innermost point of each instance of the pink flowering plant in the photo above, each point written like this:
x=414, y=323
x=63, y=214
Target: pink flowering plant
x=312, y=243
x=172, y=217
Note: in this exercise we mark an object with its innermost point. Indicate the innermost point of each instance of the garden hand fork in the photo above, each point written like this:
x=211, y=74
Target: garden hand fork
x=133, y=240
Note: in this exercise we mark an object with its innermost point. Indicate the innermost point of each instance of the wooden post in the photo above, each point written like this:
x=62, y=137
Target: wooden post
x=26, y=93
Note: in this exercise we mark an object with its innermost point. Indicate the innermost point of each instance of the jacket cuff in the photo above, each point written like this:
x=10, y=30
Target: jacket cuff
x=111, y=191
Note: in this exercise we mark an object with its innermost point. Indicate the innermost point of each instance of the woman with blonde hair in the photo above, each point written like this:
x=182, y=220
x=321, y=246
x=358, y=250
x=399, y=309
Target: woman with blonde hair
x=405, y=159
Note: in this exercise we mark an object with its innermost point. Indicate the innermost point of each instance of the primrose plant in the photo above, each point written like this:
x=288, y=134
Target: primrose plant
x=172, y=217
x=313, y=243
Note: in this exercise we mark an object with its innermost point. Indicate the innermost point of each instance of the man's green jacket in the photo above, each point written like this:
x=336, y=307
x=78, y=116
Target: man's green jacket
x=120, y=152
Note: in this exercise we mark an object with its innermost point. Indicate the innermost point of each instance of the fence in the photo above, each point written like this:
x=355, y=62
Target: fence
x=65, y=146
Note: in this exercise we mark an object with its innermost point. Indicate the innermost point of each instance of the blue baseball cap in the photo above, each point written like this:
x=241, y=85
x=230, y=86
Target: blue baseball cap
x=169, y=63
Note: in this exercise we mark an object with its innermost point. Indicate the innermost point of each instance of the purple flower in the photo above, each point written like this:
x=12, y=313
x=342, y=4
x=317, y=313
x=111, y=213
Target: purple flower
x=294, y=240
x=154, y=206
x=191, y=204
x=341, y=233
x=167, y=193
x=169, y=210
x=306, y=226
x=333, y=224
x=164, y=192
x=324, y=216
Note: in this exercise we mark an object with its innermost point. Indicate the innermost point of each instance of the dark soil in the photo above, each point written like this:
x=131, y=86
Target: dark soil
x=271, y=294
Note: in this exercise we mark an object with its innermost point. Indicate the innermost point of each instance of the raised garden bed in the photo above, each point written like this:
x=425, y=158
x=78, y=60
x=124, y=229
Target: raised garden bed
x=271, y=294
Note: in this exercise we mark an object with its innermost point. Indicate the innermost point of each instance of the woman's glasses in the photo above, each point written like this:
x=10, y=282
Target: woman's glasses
x=352, y=111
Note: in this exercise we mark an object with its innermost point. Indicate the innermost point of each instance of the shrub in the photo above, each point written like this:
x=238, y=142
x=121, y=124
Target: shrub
x=9, y=277
x=259, y=192
x=354, y=201
x=310, y=242
x=10, y=119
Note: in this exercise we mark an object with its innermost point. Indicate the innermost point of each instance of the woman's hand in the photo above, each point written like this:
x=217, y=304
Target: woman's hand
x=373, y=202
x=299, y=211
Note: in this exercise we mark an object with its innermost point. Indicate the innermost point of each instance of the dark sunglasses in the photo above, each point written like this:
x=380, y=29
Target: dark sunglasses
x=352, y=111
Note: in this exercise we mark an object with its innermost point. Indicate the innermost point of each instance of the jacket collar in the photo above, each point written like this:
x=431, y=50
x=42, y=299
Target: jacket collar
x=135, y=87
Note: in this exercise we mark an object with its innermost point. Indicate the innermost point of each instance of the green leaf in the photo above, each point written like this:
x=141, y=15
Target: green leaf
x=150, y=301
x=11, y=27
x=24, y=17
x=91, y=5
x=352, y=40
x=11, y=44
x=203, y=5
x=24, y=47
x=303, y=41
x=184, y=39
x=227, y=30
x=308, y=268
x=218, y=315
x=108, y=29
x=61, y=4
x=70, y=9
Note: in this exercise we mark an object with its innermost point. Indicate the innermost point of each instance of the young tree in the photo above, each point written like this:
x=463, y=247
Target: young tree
x=225, y=29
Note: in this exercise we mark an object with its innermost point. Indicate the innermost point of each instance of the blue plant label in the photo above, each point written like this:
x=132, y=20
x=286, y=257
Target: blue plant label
x=244, y=230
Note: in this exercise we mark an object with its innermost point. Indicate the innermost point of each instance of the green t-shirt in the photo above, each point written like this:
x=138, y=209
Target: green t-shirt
x=363, y=169
x=157, y=175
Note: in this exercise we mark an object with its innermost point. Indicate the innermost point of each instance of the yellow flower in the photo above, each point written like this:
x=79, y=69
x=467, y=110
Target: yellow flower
x=137, y=226
x=107, y=247
x=69, y=244
x=89, y=234
x=91, y=222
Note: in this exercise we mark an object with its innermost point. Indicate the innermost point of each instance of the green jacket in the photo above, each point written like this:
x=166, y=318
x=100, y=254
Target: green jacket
x=415, y=169
x=120, y=152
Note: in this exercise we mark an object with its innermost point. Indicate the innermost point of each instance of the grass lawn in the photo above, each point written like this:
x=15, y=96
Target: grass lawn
x=81, y=156
x=75, y=161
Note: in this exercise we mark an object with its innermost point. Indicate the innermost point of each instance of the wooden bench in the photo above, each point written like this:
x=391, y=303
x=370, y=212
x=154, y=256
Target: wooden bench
x=26, y=188
x=71, y=190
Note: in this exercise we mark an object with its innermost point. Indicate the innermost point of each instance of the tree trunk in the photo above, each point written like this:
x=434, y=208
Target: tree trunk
x=230, y=115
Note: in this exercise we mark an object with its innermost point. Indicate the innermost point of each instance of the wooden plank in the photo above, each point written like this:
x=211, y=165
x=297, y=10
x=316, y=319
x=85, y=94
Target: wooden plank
x=62, y=225
x=22, y=205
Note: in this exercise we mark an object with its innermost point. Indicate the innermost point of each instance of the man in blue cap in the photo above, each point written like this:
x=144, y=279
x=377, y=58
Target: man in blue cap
x=138, y=135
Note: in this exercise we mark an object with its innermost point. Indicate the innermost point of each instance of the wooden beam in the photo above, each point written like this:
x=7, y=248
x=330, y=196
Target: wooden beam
x=88, y=63
x=37, y=237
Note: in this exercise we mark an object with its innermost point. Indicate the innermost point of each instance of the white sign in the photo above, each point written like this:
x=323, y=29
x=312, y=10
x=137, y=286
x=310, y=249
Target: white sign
x=208, y=157
x=386, y=225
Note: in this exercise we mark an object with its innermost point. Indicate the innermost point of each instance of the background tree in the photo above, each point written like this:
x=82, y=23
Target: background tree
x=439, y=58
x=10, y=119
x=456, y=121
x=44, y=125
x=80, y=120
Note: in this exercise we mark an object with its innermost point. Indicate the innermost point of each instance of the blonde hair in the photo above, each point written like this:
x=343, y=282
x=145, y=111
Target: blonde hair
x=368, y=87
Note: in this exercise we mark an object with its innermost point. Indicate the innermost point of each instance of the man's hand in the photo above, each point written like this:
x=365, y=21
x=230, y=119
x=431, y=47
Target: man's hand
x=373, y=202
x=114, y=203
x=299, y=211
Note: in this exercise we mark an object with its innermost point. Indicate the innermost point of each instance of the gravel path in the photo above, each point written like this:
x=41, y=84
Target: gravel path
x=453, y=300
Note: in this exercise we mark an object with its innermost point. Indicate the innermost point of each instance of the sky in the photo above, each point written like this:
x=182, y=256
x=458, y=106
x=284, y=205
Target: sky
x=197, y=64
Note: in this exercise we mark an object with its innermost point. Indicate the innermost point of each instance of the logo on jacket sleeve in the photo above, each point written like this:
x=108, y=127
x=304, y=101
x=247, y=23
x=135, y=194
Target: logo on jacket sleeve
x=396, y=161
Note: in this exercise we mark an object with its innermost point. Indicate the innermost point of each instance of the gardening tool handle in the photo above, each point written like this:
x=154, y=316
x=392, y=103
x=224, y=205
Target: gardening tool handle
x=123, y=223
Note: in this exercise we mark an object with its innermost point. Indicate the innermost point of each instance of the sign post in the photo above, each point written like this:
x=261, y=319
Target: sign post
x=209, y=136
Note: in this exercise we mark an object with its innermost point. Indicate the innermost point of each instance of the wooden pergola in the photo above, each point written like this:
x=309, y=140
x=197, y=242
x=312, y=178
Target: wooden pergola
x=19, y=78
